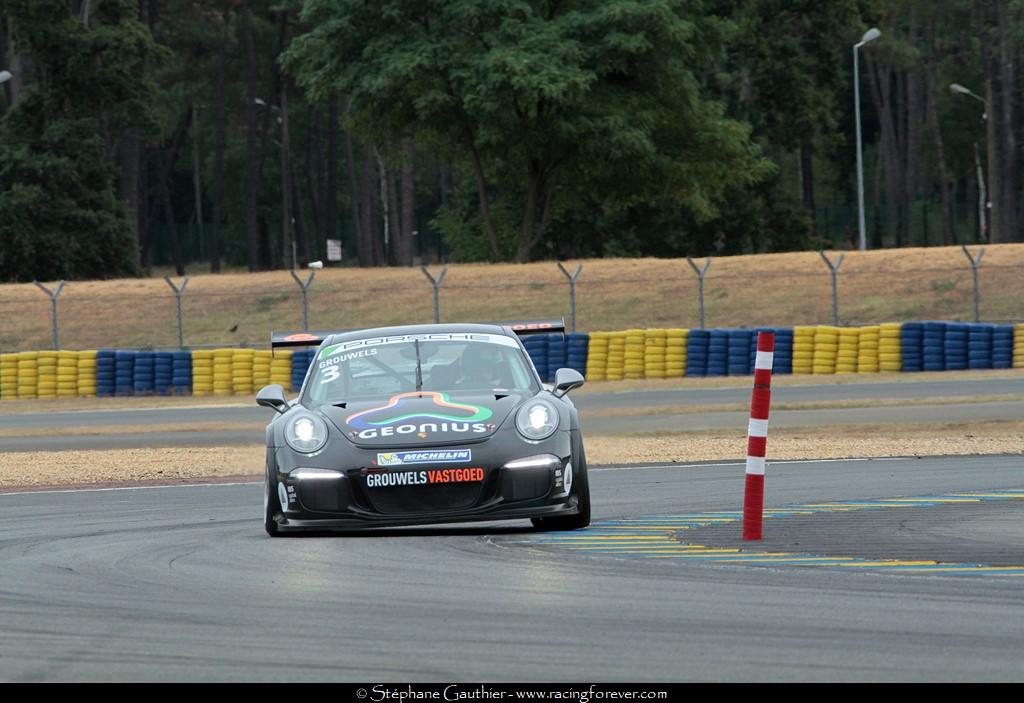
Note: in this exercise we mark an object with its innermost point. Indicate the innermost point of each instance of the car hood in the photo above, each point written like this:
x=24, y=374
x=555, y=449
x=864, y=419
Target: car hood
x=423, y=418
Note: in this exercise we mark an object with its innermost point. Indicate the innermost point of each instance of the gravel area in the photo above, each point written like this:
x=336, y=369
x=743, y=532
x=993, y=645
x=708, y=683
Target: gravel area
x=128, y=465
x=170, y=464
x=838, y=442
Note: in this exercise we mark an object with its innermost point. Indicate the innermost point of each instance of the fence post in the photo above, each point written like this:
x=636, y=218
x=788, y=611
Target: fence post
x=177, y=294
x=975, y=263
x=572, y=289
x=436, y=282
x=834, y=270
x=700, y=283
x=53, y=295
x=304, y=287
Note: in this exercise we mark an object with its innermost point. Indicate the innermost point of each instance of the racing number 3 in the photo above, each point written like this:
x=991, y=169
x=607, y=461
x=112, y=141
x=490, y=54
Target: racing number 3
x=329, y=373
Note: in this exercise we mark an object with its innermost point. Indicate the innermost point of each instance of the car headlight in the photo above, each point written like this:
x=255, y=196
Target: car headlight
x=306, y=433
x=537, y=419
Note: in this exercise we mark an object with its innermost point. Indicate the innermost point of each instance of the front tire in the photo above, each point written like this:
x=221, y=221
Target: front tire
x=581, y=489
x=271, y=509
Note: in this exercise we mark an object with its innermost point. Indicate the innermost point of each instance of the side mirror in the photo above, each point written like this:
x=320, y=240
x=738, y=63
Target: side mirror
x=272, y=396
x=566, y=380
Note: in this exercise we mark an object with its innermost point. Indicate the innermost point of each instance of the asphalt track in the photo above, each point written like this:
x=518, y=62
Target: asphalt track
x=599, y=413
x=181, y=584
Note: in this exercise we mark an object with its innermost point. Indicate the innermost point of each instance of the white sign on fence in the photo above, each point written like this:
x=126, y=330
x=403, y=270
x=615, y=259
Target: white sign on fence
x=334, y=250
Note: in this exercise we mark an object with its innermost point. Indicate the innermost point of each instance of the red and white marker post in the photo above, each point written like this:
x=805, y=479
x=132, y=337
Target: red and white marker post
x=757, y=437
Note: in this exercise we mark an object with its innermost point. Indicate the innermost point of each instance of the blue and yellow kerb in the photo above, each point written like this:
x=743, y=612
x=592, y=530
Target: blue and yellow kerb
x=663, y=537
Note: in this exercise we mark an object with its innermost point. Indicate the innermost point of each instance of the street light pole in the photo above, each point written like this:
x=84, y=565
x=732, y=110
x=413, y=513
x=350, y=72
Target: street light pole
x=869, y=35
x=983, y=203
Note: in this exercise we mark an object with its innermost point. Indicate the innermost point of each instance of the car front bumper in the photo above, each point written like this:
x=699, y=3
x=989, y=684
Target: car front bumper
x=315, y=495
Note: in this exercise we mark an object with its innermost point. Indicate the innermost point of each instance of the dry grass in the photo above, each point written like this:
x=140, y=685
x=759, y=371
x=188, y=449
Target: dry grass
x=779, y=289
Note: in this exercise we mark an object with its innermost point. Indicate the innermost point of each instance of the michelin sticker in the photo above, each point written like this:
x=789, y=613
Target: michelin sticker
x=434, y=456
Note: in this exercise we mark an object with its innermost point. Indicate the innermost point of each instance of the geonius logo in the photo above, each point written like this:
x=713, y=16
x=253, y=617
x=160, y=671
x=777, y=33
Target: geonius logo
x=421, y=413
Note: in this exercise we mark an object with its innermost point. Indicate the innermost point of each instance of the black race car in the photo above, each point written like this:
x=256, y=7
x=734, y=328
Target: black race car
x=424, y=424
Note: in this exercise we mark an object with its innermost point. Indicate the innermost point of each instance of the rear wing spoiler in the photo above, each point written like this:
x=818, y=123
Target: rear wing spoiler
x=524, y=328
x=312, y=338
x=303, y=338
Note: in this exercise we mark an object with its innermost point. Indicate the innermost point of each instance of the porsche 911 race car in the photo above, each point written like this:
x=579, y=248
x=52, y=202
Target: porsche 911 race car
x=424, y=424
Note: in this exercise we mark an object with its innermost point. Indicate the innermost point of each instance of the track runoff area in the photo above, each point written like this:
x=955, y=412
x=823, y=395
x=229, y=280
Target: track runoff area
x=675, y=537
x=822, y=583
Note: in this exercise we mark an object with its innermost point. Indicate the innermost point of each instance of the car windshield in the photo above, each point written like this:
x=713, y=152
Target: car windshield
x=372, y=367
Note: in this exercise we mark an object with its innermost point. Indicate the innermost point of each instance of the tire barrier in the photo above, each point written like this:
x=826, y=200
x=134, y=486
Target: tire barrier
x=9, y=376
x=616, y=356
x=933, y=346
x=738, y=355
x=718, y=353
x=697, y=344
x=28, y=374
x=1002, y=346
x=181, y=372
x=955, y=349
x=826, y=349
x=577, y=350
x=890, y=357
x=912, y=346
x=550, y=352
x=633, y=364
x=803, y=349
x=675, y=352
x=633, y=354
x=655, y=347
x=163, y=364
x=46, y=383
x=558, y=353
x=67, y=374
x=979, y=346
x=281, y=369
x=261, y=368
x=597, y=357
x=301, y=361
x=86, y=370
x=124, y=373
x=782, y=359
x=106, y=372
x=202, y=372
x=242, y=370
x=223, y=361
x=143, y=373
x=848, y=351
x=537, y=348
x=867, y=349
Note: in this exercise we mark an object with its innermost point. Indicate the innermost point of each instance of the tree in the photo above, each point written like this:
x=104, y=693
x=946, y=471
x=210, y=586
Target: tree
x=59, y=215
x=543, y=100
x=793, y=62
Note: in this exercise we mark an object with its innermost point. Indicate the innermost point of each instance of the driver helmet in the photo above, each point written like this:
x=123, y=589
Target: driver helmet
x=483, y=361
